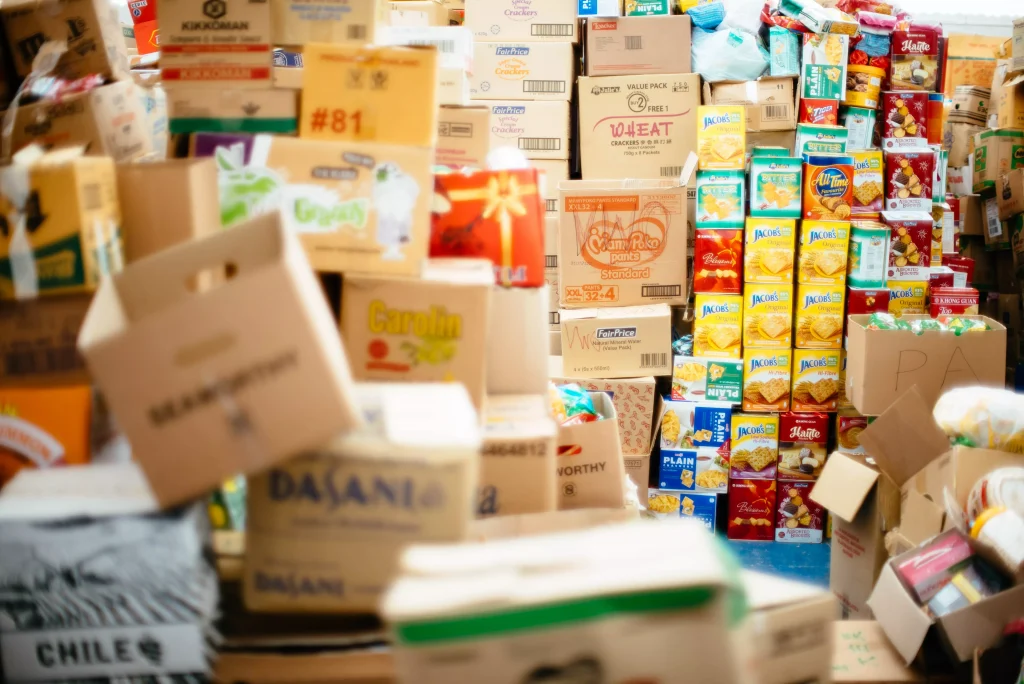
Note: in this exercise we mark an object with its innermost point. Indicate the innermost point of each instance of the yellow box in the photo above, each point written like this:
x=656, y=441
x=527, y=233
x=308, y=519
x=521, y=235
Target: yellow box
x=815, y=380
x=907, y=297
x=73, y=224
x=769, y=250
x=718, y=326
x=819, y=316
x=767, y=379
x=379, y=94
x=824, y=246
x=768, y=316
x=721, y=137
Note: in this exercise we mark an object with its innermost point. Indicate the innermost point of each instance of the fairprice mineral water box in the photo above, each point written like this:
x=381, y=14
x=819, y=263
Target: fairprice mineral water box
x=637, y=126
x=325, y=530
x=522, y=71
x=540, y=130
x=523, y=20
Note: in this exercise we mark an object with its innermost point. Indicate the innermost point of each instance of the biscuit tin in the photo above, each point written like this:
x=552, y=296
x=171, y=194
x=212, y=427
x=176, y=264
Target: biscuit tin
x=815, y=380
x=755, y=446
x=767, y=379
x=819, y=316
x=868, y=261
x=776, y=184
x=718, y=260
x=718, y=325
x=828, y=187
x=720, y=200
x=751, y=510
x=799, y=520
x=768, y=315
x=803, y=445
x=696, y=379
x=907, y=297
x=868, y=184
x=769, y=251
x=824, y=247
x=721, y=137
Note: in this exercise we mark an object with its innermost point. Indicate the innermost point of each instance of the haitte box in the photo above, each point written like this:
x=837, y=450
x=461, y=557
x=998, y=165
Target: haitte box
x=339, y=518
x=463, y=136
x=539, y=129
x=526, y=20
x=767, y=379
x=619, y=342
x=768, y=316
x=770, y=250
x=824, y=247
x=622, y=243
x=517, y=460
x=324, y=21
x=522, y=71
x=623, y=46
x=431, y=329
x=755, y=446
x=638, y=126
x=800, y=520
x=819, y=316
x=43, y=427
x=752, y=510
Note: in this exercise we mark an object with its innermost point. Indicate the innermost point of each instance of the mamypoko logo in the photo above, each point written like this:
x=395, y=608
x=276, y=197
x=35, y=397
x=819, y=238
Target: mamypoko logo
x=711, y=309
x=770, y=362
x=710, y=121
x=764, y=233
x=831, y=182
x=811, y=364
x=770, y=298
x=506, y=110
x=816, y=235
x=814, y=299
x=751, y=431
x=615, y=333
x=512, y=51
x=336, y=489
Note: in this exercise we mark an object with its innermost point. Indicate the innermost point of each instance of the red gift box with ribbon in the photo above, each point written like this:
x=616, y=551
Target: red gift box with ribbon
x=497, y=215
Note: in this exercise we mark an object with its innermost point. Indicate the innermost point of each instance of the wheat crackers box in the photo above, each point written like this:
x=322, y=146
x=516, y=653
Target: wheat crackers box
x=909, y=179
x=720, y=200
x=868, y=184
x=755, y=446
x=718, y=325
x=824, y=247
x=721, y=137
x=768, y=316
x=910, y=245
x=815, y=380
x=767, y=379
x=768, y=254
x=803, y=445
x=799, y=520
x=752, y=510
x=819, y=316
x=718, y=261
x=776, y=184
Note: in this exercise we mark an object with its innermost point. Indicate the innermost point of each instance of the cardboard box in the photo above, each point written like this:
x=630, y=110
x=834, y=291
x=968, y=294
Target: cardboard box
x=621, y=342
x=637, y=126
x=72, y=220
x=213, y=366
x=540, y=130
x=227, y=44
x=883, y=364
x=590, y=467
x=1010, y=197
x=90, y=27
x=379, y=94
x=110, y=120
x=534, y=20
x=432, y=329
x=634, y=400
x=517, y=348
x=356, y=206
x=864, y=655
x=996, y=153
x=194, y=109
x=463, y=136
x=339, y=518
x=638, y=45
x=769, y=102
x=166, y=203
x=43, y=428
x=37, y=341
x=419, y=13
x=621, y=242
x=517, y=461
x=353, y=22
x=522, y=71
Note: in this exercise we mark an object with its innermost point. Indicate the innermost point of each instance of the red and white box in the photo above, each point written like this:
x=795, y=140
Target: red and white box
x=909, y=179
x=751, y=510
x=954, y=301
x=904, y=120
x=910, y=245
x=798, y=519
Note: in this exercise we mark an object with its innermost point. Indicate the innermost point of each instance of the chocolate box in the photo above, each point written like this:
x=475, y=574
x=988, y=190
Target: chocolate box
x=799, y=520
x=910, y=245
x=904, y=120
x=909, y=179
x=803, y=445
x=752, y=510
x=718, y=261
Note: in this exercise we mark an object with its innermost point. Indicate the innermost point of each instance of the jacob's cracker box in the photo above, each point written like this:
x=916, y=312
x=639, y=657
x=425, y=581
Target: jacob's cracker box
x=815, y=380
x=769, y=251
x=720, y=200
x=819, y=316
x=721, y=137
x=824, y=247
x=768, y=315
x=776, y=184
x=767, y=379
x=718, y=326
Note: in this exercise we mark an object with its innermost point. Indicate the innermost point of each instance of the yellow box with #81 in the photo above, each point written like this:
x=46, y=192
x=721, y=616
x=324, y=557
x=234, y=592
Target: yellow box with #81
x=721, y=138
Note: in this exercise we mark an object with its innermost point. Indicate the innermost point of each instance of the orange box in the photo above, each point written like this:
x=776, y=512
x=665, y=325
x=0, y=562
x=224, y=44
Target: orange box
x=43, y=428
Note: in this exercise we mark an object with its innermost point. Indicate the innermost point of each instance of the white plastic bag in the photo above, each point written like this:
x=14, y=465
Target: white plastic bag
x=983, y=417
x=727, y=56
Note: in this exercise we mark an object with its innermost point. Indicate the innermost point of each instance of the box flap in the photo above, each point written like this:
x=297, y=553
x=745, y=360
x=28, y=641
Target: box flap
x=844, y=484
x=905, y=438
x=921, y=518
x=863, y=654
x=900, y=617
x=981, y=625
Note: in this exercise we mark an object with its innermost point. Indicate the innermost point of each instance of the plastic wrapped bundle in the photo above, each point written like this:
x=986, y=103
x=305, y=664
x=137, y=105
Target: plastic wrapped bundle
x=983, y=417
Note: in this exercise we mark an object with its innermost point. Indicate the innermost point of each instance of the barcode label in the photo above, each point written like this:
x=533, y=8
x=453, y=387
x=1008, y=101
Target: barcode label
x=543, y=86
x=551, y=30
x=553, y=318
x=776, y=112
x=550, y=261
x=634, y=42
x=91, y=197
x=659, y=360
x=552, y=204
x=661, y=291
x=540, y=144
x=357, y=32
x=38, y=361
x=445, y=46
x=671, y=171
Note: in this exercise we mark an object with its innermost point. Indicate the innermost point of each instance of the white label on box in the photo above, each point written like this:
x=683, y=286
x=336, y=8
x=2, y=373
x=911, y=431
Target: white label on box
x=995, y=228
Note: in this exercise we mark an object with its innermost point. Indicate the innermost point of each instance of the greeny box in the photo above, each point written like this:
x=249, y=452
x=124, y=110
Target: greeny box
x=720, y=199
x=775, y=187
x=722, y=379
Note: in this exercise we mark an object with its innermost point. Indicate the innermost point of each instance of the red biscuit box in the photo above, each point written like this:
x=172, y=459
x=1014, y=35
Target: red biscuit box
x=803, y=446
x=718, y=261
x=798, y=519
x=904, y=120
x=814, y=111
x=954, y=300
x=752, y=510
x=497, y=215
x=867, y=300
x=910, y=245
x=909, y=178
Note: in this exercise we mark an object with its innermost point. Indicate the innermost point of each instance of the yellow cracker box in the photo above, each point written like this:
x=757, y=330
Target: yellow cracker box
x=718, y=325
x=721, y=138
x=824, y=246
x=767, y=379
x=819, y=316
x=769, y=249
x=768, y=316
x=815, y=380
x=907, y=297
x=755, y=446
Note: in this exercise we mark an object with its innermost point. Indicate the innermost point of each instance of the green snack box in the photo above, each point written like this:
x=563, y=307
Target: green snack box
x=775, y=187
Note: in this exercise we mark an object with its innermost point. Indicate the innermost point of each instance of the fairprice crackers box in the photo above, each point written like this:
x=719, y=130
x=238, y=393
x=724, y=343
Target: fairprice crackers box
x=622, y=243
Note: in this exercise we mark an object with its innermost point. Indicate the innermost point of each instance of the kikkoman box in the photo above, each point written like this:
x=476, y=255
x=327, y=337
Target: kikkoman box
x=225, y=393
x=637, y=126
x=325, y=530
x=432, y=329
x=622, y=243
